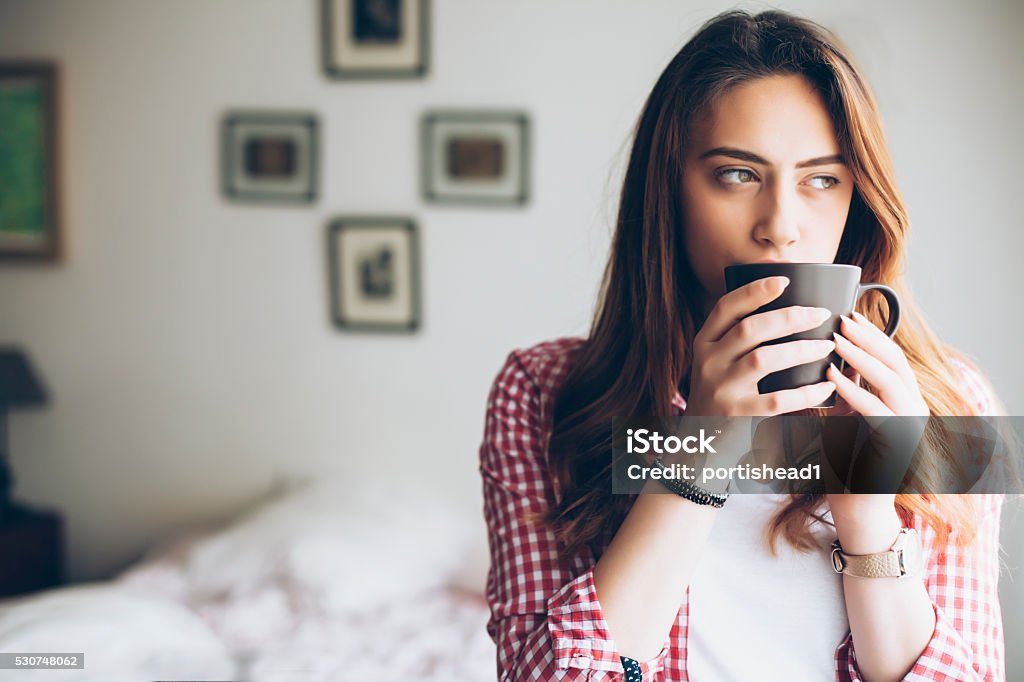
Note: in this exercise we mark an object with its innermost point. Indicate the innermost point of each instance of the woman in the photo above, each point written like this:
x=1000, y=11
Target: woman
x=760, y=141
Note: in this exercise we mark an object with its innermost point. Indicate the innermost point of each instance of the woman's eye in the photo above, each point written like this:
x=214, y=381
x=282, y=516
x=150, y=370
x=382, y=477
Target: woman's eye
x=823, y=182
x=736, y=176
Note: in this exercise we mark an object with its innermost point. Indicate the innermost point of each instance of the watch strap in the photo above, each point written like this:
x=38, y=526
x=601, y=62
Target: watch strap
x=882, y=565
x=902, y=559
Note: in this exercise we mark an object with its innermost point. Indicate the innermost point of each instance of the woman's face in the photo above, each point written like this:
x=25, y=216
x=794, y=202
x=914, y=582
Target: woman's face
x=763, y=179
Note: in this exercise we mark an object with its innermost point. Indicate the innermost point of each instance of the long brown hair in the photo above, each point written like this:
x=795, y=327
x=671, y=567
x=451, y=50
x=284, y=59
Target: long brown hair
x=638, y=351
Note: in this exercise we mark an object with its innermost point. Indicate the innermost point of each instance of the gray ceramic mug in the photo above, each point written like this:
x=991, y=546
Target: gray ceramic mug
x=821, y=285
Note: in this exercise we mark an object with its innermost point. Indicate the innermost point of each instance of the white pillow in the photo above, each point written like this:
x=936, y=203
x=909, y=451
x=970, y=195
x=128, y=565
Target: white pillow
x=338, y=546
x=124, y=634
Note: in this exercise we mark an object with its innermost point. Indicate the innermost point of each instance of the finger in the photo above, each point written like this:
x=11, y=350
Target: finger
x=856, y=397
x=841, y=408
x=737, y=304
x=764, y=360
x=752, y=331
x=862, y=332
x=889, y=351
x=792, y=399
x=889, y=384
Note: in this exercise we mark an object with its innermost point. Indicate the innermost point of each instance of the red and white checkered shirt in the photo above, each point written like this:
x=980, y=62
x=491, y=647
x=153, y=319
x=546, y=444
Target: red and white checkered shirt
x=545, y=616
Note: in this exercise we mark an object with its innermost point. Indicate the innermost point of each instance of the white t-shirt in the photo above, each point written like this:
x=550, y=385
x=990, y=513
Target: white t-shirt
x=754, y=616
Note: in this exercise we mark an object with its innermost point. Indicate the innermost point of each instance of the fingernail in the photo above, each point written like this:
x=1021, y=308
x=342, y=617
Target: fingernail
x=821, y=313
x=831, y=386
x=784, y=281
x=859, y=316
x=836, y=336
x=844, y=318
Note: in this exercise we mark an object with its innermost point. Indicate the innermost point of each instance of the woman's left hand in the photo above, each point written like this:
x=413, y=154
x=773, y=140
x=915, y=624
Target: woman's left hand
x=879, y=361
x=875, y=357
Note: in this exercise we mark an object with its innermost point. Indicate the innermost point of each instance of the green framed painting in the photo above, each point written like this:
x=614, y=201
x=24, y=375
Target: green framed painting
x=371, y=39
x=374, y=273
x=269, y=156
x=475, y=157
x=29, y=226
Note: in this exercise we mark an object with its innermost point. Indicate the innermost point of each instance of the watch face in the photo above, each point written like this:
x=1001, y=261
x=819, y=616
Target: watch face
x=911, y=556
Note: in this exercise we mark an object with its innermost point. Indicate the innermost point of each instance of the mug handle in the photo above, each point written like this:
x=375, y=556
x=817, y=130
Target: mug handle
x=893, y=323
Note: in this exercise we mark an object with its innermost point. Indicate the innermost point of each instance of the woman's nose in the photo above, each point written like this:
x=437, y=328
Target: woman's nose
x=777, y=222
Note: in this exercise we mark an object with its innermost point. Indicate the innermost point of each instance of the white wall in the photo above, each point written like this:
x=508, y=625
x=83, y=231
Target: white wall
x=186, y=340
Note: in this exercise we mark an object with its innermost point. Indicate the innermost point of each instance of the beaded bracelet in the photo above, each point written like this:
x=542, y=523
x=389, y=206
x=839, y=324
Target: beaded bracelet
x=691, y=492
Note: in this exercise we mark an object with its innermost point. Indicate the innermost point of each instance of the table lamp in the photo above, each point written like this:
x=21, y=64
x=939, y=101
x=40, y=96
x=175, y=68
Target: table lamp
x=19, y=387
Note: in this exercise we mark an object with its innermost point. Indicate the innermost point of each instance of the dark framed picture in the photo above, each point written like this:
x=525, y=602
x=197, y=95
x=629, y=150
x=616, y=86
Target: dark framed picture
x=269, y=156
x=475, y=157
x=375, y=38
x=374, y=274
x=29, y=219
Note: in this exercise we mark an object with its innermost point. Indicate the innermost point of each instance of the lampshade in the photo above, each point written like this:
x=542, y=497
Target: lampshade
x=18, y=383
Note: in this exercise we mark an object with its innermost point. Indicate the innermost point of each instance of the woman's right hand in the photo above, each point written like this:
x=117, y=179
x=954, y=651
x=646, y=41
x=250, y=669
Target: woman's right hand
x=728, y=362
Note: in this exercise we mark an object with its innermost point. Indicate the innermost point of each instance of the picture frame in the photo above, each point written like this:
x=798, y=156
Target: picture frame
x=270, y=156
x=475, y=157
x=371, y=39
x=30, y=224
x=374, y=274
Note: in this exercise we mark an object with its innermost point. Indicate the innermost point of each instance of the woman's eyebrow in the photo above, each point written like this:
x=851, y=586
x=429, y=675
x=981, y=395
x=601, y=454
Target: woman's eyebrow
x=743, y=155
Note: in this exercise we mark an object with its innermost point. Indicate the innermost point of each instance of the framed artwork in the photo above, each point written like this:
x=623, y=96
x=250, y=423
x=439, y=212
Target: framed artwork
x=375, y=38
x=374, y=274
x=29, y=219
x=269, y=156
x=475, y=157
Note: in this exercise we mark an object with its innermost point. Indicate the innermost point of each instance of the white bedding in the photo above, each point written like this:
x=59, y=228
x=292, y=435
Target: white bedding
x=125, y=634
x=322, y=583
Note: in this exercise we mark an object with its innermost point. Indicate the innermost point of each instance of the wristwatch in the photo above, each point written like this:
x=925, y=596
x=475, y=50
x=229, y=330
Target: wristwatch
x=904, y=558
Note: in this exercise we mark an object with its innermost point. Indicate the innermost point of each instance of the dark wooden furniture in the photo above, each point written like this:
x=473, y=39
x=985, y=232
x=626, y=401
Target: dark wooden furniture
x=31, y=550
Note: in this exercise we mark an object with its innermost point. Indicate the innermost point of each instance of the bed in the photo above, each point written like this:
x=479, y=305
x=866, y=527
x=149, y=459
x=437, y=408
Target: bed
x=322, y=582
